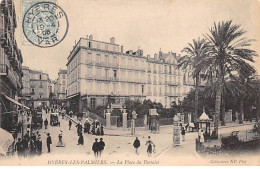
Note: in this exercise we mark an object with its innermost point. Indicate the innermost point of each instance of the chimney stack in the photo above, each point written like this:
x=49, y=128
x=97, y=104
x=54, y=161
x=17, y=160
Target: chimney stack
x=90, y=37
x=122, y=49
x=155, y=56
x=148, y=57
x=112, y=40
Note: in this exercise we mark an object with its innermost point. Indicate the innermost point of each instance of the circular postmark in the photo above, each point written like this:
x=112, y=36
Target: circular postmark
x=45, y=24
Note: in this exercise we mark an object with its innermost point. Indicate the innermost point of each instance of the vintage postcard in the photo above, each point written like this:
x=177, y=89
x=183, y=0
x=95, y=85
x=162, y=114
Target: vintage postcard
x=129, y=83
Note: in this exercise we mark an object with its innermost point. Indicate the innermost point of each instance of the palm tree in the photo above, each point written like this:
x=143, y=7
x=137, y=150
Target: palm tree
x=228, y=55
x=197, y=49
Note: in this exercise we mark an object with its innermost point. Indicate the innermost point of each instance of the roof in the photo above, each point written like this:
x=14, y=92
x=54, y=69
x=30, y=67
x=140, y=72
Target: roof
x=204, y=117
x=62, y=71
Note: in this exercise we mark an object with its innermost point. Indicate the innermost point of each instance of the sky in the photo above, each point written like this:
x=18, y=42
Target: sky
x=148, y=24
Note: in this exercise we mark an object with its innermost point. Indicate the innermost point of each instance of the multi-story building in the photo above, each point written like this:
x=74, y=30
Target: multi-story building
x=26, y=91
x=62, y=84
x=163, y=78
x=98, y=71
x=10, y=66
x=38, y=88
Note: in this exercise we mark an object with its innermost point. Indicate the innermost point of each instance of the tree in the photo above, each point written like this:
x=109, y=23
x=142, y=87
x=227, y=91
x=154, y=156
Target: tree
x=195, y=50
x=228, y=55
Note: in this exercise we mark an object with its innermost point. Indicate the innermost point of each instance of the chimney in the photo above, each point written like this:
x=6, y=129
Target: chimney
x=90, y=37
x=148, y=57
x=155, y=56
x=112, y=40
x=122, y=49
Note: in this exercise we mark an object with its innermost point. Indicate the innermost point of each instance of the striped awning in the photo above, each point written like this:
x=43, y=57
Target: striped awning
x=16, y=102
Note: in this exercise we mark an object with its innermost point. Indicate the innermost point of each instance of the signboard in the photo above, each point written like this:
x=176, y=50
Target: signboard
x=176, y=135
x=116, y=106
x=153, y=112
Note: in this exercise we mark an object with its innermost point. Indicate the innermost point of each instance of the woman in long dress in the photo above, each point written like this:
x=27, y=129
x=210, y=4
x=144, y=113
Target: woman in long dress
x=60, y=143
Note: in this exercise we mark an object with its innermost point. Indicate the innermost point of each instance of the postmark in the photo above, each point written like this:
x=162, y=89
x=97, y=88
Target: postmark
x=45, y=24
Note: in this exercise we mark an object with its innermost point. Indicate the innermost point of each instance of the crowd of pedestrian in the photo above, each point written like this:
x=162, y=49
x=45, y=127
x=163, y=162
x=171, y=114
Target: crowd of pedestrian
x=29, y=145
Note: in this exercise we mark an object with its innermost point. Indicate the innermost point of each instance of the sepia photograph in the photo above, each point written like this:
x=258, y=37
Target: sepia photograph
x=129, y=83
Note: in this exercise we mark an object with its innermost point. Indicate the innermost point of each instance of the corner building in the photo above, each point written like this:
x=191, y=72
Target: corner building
x=98, y=71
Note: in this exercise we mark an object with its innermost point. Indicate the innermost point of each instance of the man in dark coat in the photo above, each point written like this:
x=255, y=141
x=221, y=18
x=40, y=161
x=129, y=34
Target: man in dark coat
x=70, y=123
x=95, y=147
x=49, y=142
x=19, y=148
x=101, y=146
x=101, y=130
x=46, y=123
x=136, y=145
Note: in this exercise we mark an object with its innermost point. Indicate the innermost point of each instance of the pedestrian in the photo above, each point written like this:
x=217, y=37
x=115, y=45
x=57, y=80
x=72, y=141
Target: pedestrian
x=15, y=135
x=98, y=130
x=81, y=139
x=60, y=143
x=49, y=142
x=136, y=145
x=201, y=136
x=95, y=147
x=70, y=113
x=39, y=145
x=19, y=148
x=70, y=123
x=33, y=137
x=150, y=146
x=41, y=123
x=88, y=127
x=32, y=148
x=101, y=146
x=27, y=136
x=101, y=130
x=46, y=123
x=183, y=134
x=93, y=129
x=79, y=128
x=85, y=127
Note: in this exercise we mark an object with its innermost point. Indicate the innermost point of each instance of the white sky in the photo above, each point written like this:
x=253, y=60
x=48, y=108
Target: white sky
x=150, y=24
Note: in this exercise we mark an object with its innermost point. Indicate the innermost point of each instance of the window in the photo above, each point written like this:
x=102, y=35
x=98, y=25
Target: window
x=114, y=71
x=89, y=44
x=40, y=85
x=63, y=77
x=165, y=68
x=40, y=77
x=106, y=73
x=92, y=102
x=63, y=89
x=98, y=58
x=142, y=89
x=63, y=82
x=106, y=59
x=170, y=69
x=32, y=91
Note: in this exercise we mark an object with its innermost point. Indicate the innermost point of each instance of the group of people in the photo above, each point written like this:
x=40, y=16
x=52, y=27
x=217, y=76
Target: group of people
x=30, y=145
x=150, y=146
x=98, y=147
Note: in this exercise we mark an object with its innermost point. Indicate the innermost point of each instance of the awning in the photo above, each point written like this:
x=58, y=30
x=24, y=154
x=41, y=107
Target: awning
x=69, y=97
x=6, y=141
x=16, y=102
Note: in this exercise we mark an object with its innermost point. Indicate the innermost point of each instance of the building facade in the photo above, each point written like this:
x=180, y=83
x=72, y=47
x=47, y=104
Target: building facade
x=98, y=71
x=164, y=79
x=26, y=91
x=39, y=83
x=10, y=66
x=62, y=84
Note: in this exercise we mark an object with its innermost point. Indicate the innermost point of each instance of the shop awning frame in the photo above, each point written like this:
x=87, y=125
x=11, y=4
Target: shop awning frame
x=16, y=102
